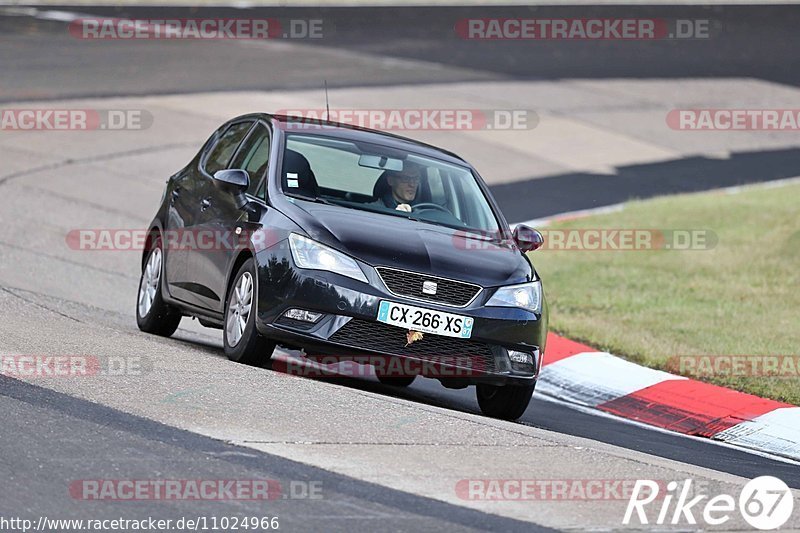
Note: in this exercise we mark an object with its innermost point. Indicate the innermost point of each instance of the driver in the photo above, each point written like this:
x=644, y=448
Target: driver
x=403, y=186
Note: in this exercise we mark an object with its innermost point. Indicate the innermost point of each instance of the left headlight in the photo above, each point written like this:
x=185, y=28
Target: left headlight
x=526, y=296
x=315, y=256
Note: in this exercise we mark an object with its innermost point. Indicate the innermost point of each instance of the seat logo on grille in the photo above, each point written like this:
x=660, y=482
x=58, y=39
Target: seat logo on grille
x=429, y=287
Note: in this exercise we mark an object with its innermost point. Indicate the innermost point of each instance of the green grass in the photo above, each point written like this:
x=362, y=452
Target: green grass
x=742, y=297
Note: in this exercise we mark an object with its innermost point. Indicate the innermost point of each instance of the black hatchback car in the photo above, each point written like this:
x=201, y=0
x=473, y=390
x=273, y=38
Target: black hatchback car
x=348, y=241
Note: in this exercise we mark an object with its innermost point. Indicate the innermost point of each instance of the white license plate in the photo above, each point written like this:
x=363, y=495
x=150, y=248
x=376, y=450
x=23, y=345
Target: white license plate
x=425, y=320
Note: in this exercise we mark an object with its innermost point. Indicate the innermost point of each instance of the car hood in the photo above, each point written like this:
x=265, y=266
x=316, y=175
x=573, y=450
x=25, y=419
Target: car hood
x=384, y=240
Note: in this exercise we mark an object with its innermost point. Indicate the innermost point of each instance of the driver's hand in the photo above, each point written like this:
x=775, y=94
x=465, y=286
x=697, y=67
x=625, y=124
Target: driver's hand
x=403, y=207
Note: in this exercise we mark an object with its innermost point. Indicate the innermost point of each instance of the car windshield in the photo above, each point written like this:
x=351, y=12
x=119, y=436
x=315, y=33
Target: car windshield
x=381, y=179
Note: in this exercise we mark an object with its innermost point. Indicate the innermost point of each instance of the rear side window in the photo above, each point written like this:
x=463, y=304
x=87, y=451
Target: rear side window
x=253, y=157
x=222, y=152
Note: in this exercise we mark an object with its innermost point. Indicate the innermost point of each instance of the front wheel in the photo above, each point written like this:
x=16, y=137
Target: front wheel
x=153, y=315
x=242, y=341
x=507, y=402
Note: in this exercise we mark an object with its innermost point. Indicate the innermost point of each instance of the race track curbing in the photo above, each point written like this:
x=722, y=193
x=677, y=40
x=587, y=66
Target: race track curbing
x=578, y=374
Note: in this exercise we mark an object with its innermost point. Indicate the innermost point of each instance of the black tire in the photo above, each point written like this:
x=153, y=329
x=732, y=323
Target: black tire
x=252, y=348
x=160, y=318
x=507, y=402
x=396, y=381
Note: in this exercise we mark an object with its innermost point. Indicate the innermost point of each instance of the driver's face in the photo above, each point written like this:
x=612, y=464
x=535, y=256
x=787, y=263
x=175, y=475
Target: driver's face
x=404, y=186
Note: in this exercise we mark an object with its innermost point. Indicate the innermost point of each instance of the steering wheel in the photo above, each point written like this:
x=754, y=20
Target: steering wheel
x=430, y=205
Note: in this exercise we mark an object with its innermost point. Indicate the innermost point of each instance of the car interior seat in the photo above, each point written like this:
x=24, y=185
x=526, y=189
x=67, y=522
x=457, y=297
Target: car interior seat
x=298, y=176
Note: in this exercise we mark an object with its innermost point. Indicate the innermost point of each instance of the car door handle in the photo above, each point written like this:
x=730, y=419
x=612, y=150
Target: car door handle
x=205, y=204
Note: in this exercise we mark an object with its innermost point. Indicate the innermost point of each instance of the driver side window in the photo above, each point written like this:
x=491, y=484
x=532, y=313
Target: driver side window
x=223, y=151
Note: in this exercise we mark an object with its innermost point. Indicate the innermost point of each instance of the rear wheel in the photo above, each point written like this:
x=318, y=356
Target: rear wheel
x=507, y=402
x=153, y=315
x=242, y=341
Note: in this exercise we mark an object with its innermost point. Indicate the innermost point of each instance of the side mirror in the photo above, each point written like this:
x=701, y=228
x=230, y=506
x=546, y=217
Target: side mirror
x=235, y=181
x=527, y=238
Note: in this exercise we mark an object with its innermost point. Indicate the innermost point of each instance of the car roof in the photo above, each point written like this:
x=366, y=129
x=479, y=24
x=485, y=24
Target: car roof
x=350, y=132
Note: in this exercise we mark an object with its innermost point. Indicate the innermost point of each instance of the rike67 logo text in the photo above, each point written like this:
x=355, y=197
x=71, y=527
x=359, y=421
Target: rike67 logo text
x=765, y=503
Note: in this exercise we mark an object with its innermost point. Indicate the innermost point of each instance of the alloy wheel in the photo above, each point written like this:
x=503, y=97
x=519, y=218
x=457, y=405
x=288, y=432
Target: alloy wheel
x=239, y=307
x=149, y=283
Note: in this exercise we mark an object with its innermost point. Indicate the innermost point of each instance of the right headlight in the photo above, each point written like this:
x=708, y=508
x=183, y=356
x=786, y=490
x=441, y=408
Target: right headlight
x=310, y=254
x=526, y=296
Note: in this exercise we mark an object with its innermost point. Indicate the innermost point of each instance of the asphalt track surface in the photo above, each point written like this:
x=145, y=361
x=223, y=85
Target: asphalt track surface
x=757, y=41
x=70, y=426
x=47, y=434
x=41, y=61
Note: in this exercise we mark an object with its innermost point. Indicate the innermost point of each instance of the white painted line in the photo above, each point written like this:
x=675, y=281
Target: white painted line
x=777, y=432
x=774, y=184
x=593, y=378
x=60, y=16
x=44, y=14
x=541, y=222
x=247, y=4
x=615, y=208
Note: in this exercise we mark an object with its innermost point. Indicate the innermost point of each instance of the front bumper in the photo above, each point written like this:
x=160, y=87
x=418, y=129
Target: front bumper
x=349, y=329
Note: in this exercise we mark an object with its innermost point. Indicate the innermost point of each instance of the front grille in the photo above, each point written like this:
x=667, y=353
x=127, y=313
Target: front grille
x=409, y=284
x=379, y=337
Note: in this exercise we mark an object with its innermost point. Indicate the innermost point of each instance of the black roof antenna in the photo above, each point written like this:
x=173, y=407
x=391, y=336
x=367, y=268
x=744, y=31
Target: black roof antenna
x=327, y=107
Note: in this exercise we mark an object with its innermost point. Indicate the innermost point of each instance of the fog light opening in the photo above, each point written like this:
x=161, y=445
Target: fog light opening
x=520, y=357
x=302, y=315
x=521, y=361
